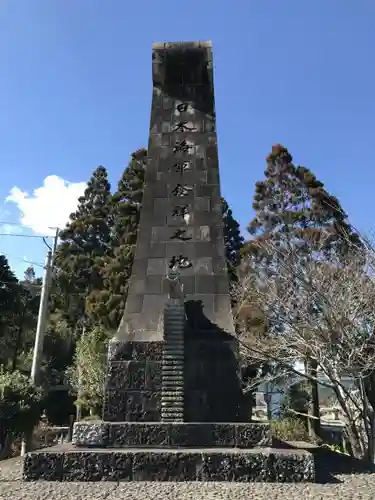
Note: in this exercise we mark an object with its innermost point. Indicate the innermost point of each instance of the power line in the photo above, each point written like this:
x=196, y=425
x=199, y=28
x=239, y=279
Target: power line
x=25, y=235
x=22, y=225
x=26, y=261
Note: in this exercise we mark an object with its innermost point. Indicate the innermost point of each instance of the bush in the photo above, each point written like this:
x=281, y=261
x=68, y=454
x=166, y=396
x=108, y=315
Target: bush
x=19, y=408
x=297, y=399
x=91, y=418
x=88, y=372
x=289, y=429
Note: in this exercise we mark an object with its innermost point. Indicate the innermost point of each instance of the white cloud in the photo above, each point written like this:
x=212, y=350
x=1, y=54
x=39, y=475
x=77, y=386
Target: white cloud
x=49, y=205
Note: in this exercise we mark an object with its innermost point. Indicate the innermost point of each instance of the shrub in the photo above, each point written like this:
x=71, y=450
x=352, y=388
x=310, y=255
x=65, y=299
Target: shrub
x=87, y=374
x=19, y=407
x=289, y=429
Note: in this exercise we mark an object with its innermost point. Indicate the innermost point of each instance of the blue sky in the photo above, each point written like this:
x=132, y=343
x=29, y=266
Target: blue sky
x=75, y=92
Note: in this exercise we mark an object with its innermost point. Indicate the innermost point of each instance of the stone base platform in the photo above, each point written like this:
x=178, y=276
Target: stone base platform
x=66, y=463
x=171, y=435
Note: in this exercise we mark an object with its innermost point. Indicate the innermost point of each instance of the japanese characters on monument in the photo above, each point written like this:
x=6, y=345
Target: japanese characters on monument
x=184, y=148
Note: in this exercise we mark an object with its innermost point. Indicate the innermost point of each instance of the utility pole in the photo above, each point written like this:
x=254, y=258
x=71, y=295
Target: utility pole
x=43, y=312
x=42, y=320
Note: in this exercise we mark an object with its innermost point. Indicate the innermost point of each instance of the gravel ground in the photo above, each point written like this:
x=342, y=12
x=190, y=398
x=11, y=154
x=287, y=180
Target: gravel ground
x=357, y=486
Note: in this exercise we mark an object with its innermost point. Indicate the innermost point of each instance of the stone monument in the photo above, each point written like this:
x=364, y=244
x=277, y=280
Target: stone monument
x=180, y=226
x=173, y=398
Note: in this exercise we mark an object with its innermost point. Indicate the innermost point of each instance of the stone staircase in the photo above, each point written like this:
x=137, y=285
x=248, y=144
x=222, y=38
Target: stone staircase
x=172, y=393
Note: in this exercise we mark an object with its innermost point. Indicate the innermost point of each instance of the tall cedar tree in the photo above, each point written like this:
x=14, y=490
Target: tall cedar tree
x=9, y=290
x=83, y=244
x=106, y=305
x=25, y=321
x=233, y=243
x=292, y=206
x=292, y=203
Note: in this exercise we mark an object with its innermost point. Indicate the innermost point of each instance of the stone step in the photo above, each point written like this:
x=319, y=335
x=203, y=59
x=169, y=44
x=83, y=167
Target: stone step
x=172, y=412
x=173, y=320
x=167, y=370
x=188, y=434
x=67, y=463
x=172, y=399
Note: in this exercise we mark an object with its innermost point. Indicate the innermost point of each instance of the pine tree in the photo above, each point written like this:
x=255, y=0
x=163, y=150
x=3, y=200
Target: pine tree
x=25, y=322
x=9, y=290
x=233, y=243
x=292, y=207
x=106, y=305
x=84, y=242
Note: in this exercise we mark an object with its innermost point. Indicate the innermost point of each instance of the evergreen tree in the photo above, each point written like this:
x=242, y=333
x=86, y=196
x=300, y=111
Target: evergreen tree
x=292, y=206
x=25, y=321
x=84, y=242
x=233, y=242
x=106, y=305
x=9, y=290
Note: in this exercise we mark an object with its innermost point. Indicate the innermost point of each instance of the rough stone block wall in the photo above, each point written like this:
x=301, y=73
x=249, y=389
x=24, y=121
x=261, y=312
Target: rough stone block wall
x=134, y=376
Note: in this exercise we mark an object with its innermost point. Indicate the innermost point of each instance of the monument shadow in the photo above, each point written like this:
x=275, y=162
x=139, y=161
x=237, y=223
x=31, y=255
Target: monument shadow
x=212, y=387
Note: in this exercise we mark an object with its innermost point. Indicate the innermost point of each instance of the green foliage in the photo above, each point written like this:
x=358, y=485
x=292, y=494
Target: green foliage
x=9, y=289
x=335, y=448
x=233, y=243
x=297, y=399
x=84, y=243
x=289, y=429
x=292, y=205
x=19, y=303
x=91, y=418
x=106, y=304
x=19, y=403
x=87, y=374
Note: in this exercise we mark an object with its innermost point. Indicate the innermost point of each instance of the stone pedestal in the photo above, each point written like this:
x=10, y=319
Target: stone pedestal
x=132, y=451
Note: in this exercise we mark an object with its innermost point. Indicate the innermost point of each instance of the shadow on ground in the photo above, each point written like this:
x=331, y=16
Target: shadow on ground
x=328, y=463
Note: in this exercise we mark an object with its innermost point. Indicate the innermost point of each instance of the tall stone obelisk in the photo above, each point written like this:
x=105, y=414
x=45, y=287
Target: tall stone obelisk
x=180, y=225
